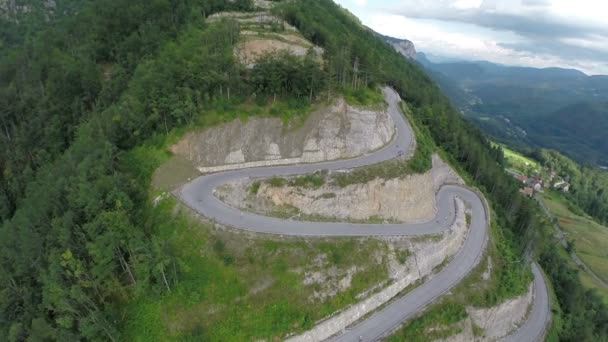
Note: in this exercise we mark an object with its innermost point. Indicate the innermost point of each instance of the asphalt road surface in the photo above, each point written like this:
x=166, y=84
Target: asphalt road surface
x=199, y=195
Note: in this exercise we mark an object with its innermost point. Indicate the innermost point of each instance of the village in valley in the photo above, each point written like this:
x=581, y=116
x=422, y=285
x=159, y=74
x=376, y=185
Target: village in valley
x=537, y=183
x=534, y=177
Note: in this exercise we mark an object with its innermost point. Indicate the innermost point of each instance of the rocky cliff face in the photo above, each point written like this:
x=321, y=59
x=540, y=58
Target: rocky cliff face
x=388, y=199
x=406, y=199
x=404, y=47
x=495, y=322
x=340, y=131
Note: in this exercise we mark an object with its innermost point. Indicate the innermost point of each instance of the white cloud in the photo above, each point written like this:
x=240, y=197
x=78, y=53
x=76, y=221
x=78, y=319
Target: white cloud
x=467, y=3
x=538, y=33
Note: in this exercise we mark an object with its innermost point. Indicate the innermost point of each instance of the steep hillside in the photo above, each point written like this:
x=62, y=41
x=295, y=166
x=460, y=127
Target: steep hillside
x=578, y=130
x=89, y=250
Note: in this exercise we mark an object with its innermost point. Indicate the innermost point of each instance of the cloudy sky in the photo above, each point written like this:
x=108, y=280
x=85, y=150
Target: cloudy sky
x=538, y=33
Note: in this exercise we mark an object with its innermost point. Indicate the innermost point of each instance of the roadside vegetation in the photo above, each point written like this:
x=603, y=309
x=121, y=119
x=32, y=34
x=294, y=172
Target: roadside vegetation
x=507, y=277
x=233, y=287
x=311, y=181
x=436, y=323
x=366, y=98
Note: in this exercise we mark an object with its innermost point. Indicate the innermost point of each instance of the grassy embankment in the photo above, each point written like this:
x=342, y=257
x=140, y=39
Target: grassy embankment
x=366, y=98
x=235, y=288
x=239, y=288
x=517, y=161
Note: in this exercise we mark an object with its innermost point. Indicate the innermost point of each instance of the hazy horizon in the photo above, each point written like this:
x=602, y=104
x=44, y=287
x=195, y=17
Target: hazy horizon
x=529, y=33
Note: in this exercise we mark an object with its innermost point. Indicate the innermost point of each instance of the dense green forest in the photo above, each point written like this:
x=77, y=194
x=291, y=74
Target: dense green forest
x=79, y=239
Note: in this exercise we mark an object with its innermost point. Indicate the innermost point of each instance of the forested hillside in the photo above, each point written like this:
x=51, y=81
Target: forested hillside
x=576, y=129
x=79, y=239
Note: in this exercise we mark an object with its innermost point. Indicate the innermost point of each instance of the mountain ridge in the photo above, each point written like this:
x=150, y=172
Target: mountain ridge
x=403, y=46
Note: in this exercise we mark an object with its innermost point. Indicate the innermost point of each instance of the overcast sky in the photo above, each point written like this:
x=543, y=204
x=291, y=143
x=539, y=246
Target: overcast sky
x=538, y=33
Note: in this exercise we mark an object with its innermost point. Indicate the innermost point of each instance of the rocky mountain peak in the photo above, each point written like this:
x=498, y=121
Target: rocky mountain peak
x=404, y=47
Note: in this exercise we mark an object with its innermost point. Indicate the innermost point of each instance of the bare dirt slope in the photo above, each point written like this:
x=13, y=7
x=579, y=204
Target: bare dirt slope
x=262, y=33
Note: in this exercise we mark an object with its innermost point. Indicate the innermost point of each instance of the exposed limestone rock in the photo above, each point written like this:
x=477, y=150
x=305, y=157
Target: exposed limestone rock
x=504, y=318
x=235, y=157
x=340, y=131
x=486, y=275
x=495, y=322
x=443, y=173
x=250, y=50
x=409, y=199
x=404, y=47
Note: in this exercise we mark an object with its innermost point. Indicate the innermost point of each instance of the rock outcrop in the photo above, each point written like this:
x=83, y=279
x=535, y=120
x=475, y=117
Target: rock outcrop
x=250, y=50
x=405, y=47
x=265, y=33
x=407, y=199
x=340, y=131
x=496, y=322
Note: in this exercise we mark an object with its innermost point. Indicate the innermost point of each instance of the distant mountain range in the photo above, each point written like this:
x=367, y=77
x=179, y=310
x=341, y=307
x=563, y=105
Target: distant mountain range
x=555, y=108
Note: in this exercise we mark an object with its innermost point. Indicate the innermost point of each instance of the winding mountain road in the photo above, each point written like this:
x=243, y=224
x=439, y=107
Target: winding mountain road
x=199, y=195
